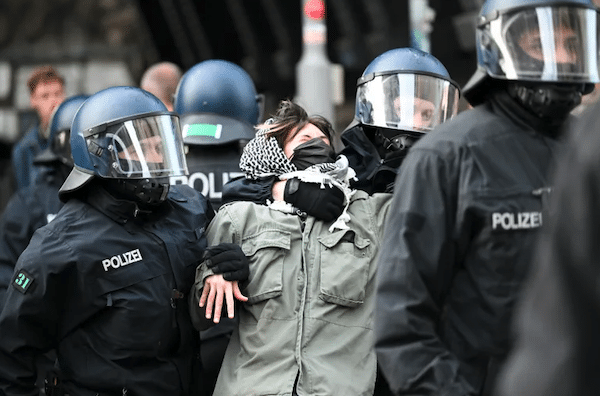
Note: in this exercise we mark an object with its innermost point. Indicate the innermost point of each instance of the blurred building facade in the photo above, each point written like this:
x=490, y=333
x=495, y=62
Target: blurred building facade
x=99, y=43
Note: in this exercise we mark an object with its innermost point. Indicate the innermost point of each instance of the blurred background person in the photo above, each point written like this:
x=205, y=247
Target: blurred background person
x=36, y=205
x=7, y=175
x=161, y=80
x=471, y=197
x=46, y=88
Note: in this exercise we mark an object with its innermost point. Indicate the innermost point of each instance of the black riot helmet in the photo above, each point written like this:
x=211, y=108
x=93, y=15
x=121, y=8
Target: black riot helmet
x=544, y=51
x=125, y=137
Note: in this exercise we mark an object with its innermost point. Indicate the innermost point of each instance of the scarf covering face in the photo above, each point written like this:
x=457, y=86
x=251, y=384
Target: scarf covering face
x=263, y=157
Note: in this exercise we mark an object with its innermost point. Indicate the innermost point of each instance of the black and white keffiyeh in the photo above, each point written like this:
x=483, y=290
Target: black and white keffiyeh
x=263, y=157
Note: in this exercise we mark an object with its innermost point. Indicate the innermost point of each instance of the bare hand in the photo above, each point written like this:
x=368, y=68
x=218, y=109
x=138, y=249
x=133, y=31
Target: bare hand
x=215, y=290
x=278, y=189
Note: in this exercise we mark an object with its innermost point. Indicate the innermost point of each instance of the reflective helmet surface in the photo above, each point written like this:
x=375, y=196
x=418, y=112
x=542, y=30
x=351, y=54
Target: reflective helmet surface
x=60, y=131
x=218, y=103
x=535, y=41
x=124, y=133
x=406, y=89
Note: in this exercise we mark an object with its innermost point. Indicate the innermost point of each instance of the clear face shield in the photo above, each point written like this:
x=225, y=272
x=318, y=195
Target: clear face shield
x=557, y=44
x=61, y=146
x=406, y=101
x=148, y=147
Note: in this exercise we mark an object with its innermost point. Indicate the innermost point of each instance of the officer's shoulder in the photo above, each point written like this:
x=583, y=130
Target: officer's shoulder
x=68, y=216
x=465, y=128
x=183, y=193
x=65, y=229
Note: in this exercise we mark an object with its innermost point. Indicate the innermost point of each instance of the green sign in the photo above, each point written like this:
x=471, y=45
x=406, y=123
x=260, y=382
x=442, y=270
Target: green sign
x=210, y=130
x=22, y=281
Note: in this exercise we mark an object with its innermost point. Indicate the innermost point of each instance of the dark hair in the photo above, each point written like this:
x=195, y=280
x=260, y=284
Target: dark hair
x=43, y=74
x=289, y=119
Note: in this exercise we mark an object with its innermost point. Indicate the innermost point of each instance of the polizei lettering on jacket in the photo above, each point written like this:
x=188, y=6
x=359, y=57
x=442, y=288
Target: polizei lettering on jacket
x=122, y=260
x=516, y=221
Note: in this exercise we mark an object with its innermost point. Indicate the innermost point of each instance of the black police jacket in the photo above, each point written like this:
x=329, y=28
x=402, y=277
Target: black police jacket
x=28, y=209
x=107, y=289
x=557, y=350
x=468, y=205
x=374, y=174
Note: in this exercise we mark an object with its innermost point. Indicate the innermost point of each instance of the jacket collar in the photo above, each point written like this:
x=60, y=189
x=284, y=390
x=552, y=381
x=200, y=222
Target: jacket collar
x=119, y=210
x=502, y=102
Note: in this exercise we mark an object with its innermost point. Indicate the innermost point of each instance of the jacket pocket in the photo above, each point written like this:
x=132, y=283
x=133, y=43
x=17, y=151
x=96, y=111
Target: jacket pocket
x=266, y=251
x=124, y=277
x=345, y=261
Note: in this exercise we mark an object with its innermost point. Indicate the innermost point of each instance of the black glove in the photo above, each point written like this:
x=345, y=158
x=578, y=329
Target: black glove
x=323, y=203
x=229, y=260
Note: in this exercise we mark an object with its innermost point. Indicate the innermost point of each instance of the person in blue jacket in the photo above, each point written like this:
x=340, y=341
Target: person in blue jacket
x=46, y=89
x=105, y=283
x=38, y=204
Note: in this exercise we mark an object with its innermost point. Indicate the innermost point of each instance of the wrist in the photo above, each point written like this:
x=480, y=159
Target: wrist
x=278, y=190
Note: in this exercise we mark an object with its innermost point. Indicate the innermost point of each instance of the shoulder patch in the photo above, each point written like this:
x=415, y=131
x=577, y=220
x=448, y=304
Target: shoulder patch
x=22, y=281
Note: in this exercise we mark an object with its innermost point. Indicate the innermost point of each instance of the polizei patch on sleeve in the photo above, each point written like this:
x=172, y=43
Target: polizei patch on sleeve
x=22, y=281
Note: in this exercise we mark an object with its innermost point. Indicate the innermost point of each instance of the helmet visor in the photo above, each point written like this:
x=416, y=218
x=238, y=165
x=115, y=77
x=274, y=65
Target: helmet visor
x=61, y=146
x=148, y=147
x=558, y=44
x=406, y=101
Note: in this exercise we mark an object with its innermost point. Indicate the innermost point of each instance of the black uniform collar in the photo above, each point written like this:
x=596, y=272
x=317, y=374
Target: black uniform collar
x=375, y=170
x=119, y=210
x=502, y=102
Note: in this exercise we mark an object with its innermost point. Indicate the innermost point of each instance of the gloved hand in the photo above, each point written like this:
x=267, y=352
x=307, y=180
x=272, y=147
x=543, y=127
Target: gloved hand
x=323, y=203
x=229, y=260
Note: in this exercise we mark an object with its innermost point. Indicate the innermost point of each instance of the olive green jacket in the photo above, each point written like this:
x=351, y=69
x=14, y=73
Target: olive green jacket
x=309, y=317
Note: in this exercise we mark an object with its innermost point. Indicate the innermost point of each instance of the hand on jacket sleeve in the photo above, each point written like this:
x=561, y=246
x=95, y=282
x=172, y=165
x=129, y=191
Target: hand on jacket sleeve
x=229, y=260
x=323, y=203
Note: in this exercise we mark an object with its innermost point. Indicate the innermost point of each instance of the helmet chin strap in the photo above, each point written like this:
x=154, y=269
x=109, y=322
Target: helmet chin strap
x=400, y=140
x=147, y=193
x=545, y=100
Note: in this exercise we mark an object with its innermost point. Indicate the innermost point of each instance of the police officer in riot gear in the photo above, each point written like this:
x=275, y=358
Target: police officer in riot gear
x=402, y=94
x=472, y=200
x=106, y=282
x=219, y=106
x=38, y=204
